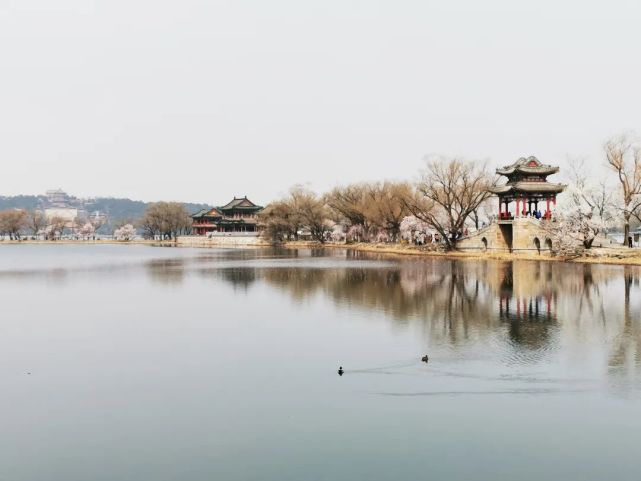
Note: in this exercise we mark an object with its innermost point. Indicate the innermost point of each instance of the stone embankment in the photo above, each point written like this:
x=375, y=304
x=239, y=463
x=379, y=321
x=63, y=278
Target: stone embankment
x=222, y=241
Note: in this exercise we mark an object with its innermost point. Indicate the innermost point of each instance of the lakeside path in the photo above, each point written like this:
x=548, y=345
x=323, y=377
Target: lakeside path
x=611, y=255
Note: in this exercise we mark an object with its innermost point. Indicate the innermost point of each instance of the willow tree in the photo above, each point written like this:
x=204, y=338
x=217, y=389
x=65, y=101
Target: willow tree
x=12, y=222
x=167, y=219
x=449, y=191
x=313, y=213
x=36, y=221
x=387, y=206
x=300, y=209
x=623, y=154
x=349, y=204
x=279, y=221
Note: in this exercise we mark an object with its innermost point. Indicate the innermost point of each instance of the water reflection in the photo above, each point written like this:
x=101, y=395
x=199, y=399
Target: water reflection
x=528, y=311
x=196, y=360
x=522, y=312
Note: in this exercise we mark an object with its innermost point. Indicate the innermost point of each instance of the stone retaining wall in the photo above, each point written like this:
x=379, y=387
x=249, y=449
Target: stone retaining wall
x=221, y=241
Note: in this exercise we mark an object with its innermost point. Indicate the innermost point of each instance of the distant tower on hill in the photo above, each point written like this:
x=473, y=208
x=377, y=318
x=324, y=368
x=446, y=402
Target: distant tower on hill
x=57, y=198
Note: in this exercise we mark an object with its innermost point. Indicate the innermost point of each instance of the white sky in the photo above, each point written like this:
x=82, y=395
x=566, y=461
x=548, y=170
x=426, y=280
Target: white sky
x=202, y=100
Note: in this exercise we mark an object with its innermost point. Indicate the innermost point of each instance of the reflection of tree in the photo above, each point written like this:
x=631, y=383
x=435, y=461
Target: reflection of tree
x=531, y=306
x=166, y=271
x=627, y=349
x=238, y=277
x=448, y=298
x=539, y=303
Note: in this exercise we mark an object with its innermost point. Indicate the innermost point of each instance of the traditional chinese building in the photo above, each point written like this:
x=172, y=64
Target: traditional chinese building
x=528, y=189
x=525, y=201
x=239, y=215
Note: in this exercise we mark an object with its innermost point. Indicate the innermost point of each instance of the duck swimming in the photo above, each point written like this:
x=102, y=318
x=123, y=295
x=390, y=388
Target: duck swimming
x=340, y=370
x=425, y=358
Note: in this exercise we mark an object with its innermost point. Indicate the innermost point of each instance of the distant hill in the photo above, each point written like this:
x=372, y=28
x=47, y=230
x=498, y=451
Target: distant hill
x=28, y=202
x=117, y=210
x=121, y=209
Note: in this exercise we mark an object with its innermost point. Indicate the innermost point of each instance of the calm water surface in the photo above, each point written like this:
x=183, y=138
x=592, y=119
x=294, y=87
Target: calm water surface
x=133, y=363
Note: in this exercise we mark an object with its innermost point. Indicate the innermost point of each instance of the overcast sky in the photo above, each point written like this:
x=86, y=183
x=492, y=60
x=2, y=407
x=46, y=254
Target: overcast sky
x=203, y=100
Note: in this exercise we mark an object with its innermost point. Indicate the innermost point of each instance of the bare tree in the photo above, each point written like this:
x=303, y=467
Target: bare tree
x=623, y=154
x=449, y=191
x=388, y=207
x=302, y=208
x=56, y=227
x=349, y=205
x=12, y=222
x=310, y=211
x=165, y=219
x=279, y=221
x=36, y=221
x=97, y=221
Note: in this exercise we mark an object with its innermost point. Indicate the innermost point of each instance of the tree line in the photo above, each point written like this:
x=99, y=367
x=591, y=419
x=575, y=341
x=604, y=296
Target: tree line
x=160, y=220
x=450, y=192
x=452, y=197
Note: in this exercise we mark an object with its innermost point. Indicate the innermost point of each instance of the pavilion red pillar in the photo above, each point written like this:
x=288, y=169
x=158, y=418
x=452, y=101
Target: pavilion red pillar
x=547, y=206
x=500, y=207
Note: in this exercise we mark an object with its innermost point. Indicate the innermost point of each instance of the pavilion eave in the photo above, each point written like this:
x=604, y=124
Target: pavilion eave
x=528, y=188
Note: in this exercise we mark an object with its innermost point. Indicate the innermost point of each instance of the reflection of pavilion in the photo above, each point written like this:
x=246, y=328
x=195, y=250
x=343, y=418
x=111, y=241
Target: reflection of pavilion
x=533, y=308
x=526, y=292
x=529, y=307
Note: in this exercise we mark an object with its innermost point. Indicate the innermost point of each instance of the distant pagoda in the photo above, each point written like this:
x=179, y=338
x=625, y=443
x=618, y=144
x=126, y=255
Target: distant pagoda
x=527, y=186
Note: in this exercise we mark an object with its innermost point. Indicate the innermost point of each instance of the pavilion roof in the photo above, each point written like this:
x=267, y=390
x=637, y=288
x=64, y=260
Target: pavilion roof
x=529, y=188
x=200, y=213
x=529, y=165
x=214, y=212
x=241, y=203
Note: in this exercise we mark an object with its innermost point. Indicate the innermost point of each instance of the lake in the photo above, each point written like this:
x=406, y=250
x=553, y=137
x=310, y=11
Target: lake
x=133, y=363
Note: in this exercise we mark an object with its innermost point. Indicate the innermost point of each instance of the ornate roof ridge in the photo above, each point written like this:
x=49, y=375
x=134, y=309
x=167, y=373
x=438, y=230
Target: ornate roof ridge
x=528, y=165
x=237, y=201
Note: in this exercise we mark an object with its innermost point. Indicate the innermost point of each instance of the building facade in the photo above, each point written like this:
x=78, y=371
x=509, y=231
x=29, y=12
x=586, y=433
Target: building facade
x=239, y=215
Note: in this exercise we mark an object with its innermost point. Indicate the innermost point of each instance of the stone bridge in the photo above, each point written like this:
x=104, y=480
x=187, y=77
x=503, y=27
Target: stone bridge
x=516, y=235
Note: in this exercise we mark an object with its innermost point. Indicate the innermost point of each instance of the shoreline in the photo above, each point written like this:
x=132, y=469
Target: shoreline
x=609, y=256
x=615, y=257
x=87, y=242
